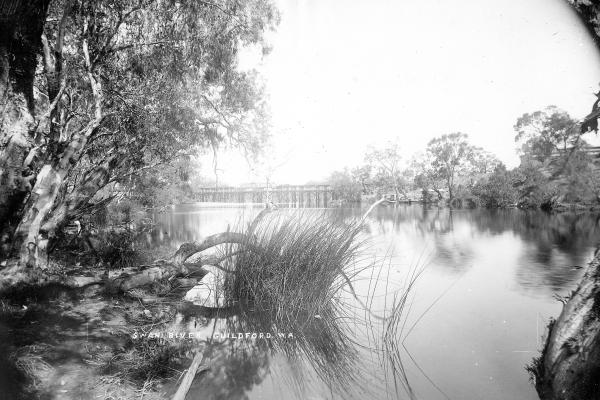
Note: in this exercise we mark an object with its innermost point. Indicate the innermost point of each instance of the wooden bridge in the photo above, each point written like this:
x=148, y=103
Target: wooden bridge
x=286, y=195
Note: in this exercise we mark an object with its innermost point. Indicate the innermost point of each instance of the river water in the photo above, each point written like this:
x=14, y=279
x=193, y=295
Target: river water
x=488, y=284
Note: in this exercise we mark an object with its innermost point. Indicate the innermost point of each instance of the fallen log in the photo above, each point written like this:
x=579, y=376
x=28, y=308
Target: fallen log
x=569, y=365
x=187, y=380
x=15, y=274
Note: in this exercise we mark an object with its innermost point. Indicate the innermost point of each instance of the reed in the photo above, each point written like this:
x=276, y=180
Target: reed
x=294, y=264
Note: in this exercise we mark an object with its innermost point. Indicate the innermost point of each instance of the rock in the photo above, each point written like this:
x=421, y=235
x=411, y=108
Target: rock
x=209, y=291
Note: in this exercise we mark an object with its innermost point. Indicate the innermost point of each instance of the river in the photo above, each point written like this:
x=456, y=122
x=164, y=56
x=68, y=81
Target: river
x=489, y=282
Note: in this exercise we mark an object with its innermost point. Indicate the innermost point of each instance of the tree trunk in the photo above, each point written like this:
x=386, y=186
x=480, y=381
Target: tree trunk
x=77, y=200
x=569, y=366
x=31, y=240
x=450, y=189
x=33, y=247
x=21, y=27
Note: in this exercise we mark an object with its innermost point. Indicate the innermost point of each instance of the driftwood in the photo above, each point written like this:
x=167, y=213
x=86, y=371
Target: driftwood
x=187, y=380
x=569, y=366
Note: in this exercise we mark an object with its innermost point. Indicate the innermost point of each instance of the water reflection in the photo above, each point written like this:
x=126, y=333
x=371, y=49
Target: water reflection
x=318, y=349
x=556, y=246
x=495, y=273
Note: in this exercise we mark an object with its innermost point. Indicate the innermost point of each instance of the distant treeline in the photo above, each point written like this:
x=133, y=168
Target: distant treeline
x=558, y=168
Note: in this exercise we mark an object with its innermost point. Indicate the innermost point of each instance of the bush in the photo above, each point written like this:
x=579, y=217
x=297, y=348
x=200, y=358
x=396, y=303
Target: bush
x=580, y=180
x=497, y=189
x=534, y=188
x=345, y=187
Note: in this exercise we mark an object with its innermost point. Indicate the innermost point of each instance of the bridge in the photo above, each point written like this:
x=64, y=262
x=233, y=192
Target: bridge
x=285, y=195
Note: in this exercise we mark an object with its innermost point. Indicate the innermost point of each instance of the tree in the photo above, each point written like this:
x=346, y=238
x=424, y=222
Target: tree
x=483, y=162
x=21, y=26
x=552, y=142
x=497, y=189
x=534, y=188
x=580, y=177
x=425, y=177
x=127, y=86
x=345, y=186
x=386, y=162
x=547, y=132
x=362, y=175
x=449, y=155
x=480, y=165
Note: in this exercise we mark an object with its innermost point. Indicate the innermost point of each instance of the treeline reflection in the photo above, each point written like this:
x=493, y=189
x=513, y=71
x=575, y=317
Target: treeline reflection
x=553, y=248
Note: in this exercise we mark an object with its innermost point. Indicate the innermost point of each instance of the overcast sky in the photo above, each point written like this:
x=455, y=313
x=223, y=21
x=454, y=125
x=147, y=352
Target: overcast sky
x=344, y=74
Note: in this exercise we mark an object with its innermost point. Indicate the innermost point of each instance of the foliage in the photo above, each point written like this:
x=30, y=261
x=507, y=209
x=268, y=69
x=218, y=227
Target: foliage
x=172, y=184
x=425, y=177
x=449, y=155
x=131, y=86
x=188, y=50
x=497, y=189
x=534, y=188
x=345, y=186
x=363, y=176
x=386, y=162
x=581, y=179
x=555, y=167
x=545, y=132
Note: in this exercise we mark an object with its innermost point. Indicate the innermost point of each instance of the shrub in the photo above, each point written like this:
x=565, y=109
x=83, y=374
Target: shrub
x=496, y=189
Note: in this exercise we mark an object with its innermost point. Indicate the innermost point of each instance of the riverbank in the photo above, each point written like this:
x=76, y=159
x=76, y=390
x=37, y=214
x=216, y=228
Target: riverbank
x=64, y=343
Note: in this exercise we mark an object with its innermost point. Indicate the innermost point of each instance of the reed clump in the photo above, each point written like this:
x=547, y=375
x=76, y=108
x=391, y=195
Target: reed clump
x=293, y=264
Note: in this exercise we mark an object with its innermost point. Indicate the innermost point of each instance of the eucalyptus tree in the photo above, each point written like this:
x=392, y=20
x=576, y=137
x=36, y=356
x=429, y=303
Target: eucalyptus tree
x=546, y=132
x=120, y=86
x=386, y=164
x=450, y=156
x=363, y=176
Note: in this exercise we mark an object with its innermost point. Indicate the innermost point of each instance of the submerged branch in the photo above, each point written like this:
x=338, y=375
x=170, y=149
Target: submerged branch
x=187, y=380
x=187, y=250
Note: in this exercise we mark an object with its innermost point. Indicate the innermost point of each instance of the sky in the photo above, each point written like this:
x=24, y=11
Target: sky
x=346, y=74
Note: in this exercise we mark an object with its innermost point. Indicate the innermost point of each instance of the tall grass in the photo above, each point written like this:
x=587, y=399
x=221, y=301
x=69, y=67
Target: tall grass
x=293, y=264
